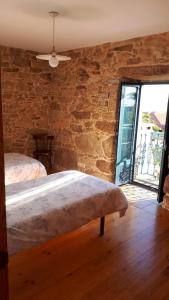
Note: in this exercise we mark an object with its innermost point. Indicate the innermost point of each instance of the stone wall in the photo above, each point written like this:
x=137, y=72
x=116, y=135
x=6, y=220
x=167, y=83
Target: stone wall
x=25, y=97
x=78, y=102
x=84, y=108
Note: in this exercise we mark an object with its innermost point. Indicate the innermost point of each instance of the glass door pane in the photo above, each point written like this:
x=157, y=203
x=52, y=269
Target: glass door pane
x=150, y=134
x=164, y=161
x=128, y=109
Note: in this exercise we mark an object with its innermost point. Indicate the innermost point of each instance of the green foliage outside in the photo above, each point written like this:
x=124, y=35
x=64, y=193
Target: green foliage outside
x=156, y=128
x=146, y=118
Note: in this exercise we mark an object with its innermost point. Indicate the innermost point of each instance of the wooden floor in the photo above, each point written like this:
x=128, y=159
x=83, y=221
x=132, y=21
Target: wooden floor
x=131, y=261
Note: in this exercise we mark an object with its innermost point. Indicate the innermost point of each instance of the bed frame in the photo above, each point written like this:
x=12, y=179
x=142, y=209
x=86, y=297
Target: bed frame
x=81, y=199
x=102, y=222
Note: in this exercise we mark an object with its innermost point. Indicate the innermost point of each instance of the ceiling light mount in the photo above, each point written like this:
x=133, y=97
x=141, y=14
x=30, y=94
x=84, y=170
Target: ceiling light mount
x=54, y=13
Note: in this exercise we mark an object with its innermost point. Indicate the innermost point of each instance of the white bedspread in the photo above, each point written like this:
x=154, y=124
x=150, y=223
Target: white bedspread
x=41, y=209
x=19, y=167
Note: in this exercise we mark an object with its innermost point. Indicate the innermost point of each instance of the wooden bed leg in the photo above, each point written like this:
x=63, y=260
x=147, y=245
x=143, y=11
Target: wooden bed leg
x=102, y=221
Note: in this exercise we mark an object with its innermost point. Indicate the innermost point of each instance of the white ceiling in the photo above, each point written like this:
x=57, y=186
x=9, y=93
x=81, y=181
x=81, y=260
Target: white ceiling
x=26, y=23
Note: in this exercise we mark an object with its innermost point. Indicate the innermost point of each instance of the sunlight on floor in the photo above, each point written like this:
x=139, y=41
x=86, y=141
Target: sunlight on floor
x=134, y=193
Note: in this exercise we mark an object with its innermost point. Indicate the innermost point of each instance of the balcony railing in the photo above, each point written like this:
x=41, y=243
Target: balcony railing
x=148, y=157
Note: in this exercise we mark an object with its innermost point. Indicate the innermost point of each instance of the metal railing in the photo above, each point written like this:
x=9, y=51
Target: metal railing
x=148, y=156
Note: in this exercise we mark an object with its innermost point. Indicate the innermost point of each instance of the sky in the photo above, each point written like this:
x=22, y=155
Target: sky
x=154, y=98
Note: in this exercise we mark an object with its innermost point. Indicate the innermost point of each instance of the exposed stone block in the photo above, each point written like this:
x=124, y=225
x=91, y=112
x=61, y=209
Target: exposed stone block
x=104, y=166
x=109, y=147
x=145, y=71
x=81, y=87
x=81, y=114
x=55, y=106
x=11, y=70
x=76, y=128
x=89, y=144
x=91, y=64
x=105, y=126
x=128, y=47
x=83, y=75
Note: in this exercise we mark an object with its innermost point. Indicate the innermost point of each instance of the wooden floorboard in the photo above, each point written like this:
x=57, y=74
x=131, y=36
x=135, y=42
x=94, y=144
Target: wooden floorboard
x=131, y=261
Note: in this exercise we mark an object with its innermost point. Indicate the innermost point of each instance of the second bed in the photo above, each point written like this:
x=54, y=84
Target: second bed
x=20, y=167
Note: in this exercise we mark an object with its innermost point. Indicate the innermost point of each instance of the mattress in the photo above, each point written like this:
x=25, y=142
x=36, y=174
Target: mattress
x=41, y=209
x=19, y=167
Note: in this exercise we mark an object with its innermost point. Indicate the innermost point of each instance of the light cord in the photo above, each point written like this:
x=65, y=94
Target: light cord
x=53, y=32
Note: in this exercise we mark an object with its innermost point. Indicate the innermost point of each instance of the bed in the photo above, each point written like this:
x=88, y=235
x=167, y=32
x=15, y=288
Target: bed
x=41, y=209
x=19, y=167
